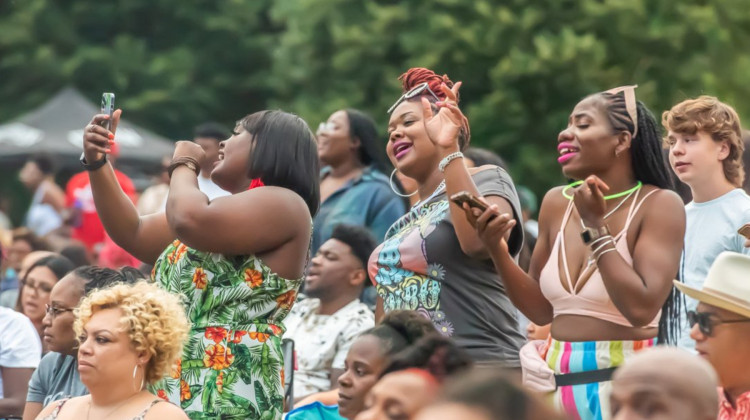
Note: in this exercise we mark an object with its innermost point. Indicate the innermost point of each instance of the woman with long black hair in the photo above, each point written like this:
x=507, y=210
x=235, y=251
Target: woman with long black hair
x=609, y=246
x=353, y=187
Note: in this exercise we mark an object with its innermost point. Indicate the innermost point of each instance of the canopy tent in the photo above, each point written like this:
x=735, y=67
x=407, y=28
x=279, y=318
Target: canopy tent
x=56, y=128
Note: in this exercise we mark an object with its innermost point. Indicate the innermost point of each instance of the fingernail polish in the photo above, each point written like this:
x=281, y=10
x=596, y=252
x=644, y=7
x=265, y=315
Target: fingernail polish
x=111, y=136
x=111, y=142
x=108, y=150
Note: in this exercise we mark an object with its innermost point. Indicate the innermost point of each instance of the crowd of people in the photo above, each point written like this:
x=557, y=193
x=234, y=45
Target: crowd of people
x=271, y=272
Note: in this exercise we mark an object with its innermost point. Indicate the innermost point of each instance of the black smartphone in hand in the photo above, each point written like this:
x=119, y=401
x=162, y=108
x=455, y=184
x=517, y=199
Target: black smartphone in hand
x=467, y=197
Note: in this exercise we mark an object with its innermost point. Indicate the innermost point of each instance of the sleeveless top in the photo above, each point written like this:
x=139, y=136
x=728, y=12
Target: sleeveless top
x=240, y=293
x=141, y=416
x=586, y=297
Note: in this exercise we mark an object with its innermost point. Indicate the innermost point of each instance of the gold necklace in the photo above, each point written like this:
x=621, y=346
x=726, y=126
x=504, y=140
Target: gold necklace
x=88, y=412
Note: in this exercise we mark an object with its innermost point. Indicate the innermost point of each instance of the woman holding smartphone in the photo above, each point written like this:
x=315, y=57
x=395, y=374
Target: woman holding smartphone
x=608, y=249
x=237, y=261
x=432, y=260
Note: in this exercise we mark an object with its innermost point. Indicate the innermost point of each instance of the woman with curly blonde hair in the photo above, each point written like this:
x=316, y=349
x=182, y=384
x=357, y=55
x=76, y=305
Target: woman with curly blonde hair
x=130, y=336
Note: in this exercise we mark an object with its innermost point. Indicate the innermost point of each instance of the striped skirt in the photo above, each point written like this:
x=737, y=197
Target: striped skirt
x=588, y=401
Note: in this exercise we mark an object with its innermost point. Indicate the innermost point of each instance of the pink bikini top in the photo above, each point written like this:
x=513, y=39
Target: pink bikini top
x=587, y=297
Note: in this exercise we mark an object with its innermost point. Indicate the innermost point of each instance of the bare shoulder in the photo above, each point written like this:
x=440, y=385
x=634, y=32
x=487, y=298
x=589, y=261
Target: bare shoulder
x=285, y=202
x=164, y=410
x=554, y=201
x=665, y=200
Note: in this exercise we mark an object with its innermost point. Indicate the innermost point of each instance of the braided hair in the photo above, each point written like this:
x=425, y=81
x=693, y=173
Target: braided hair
x=416, y=76
x=649, y=167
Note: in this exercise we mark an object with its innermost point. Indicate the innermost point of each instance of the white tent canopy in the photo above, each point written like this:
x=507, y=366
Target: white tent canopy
x=56, y=128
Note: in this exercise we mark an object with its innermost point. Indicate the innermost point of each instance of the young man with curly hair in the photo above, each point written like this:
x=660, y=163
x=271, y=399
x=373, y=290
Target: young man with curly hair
x=704, y=137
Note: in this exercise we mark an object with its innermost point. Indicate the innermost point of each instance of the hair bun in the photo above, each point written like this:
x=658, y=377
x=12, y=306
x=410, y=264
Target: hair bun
x=418, y=75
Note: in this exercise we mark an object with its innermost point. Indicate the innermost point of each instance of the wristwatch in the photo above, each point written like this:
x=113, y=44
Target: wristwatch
x=589, y=235
x=92, y=166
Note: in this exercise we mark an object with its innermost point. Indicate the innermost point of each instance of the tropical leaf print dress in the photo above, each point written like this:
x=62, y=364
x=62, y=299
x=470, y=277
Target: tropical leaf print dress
x=232, y=364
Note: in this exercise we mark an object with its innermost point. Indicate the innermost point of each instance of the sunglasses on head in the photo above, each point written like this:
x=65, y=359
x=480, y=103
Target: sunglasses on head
x=414, y=92
x=707, y=321
x=630, y=103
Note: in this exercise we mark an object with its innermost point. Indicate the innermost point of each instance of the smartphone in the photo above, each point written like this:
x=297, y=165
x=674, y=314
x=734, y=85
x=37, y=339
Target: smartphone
x=745, y=230
x=108, y=107
x=467, y=197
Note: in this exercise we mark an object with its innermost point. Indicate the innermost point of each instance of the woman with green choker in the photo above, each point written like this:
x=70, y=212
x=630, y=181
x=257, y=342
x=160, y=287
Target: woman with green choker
x=609, y=246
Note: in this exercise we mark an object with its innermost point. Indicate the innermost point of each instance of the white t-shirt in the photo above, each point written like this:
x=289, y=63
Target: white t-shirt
x=20, y=346
x=711, y=229
x=322, y=342
x=210, y=189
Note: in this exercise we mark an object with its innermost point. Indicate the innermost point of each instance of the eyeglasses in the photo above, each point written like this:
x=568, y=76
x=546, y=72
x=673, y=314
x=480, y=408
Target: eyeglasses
x=54, y=311
x=415, y=91
x=39, y=287
x=630, y=103
x=707, y=321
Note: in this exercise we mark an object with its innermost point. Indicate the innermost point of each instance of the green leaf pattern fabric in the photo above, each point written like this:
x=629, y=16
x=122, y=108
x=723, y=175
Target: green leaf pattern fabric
x=232, y=364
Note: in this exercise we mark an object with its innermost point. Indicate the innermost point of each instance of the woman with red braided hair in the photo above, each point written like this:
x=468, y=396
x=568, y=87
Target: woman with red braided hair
x=432, y=260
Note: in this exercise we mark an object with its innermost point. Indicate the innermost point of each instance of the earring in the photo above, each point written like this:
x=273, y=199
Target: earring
x=135, y=369
x=395, y=190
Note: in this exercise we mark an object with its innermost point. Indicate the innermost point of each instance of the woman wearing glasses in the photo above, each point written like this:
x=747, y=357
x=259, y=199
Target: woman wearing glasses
x=609, y=246
x=36, y=286
x=57, y=375
x=432, y=260
x=353, y=187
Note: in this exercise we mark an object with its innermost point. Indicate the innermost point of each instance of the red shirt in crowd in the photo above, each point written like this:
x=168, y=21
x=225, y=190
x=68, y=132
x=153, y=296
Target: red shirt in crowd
x=727, y=412
x=89, y=230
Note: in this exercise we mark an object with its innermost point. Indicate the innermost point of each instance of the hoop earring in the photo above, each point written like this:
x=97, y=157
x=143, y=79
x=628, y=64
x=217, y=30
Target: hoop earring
x=135, y=369
x=395, y=190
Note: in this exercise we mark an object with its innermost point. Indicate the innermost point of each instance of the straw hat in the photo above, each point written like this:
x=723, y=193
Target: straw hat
x=727, y=285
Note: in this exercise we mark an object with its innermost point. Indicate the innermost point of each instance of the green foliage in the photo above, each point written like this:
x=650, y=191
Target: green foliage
x=524, y=63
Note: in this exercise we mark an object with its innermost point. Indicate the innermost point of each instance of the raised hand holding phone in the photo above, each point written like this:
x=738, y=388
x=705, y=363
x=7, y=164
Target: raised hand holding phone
x=99, y=134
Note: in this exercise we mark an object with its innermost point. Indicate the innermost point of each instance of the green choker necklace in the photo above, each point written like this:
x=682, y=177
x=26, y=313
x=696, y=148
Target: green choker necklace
x=606, y=197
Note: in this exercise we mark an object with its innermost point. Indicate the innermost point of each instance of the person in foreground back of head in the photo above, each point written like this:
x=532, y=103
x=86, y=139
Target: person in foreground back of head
x=720, y=326
x=368, y=356
x=485, y=395
x=324, y=325
x=704, y=136
x=57, y=374
x=413, y=379
x=664, y=383
x=129, y=336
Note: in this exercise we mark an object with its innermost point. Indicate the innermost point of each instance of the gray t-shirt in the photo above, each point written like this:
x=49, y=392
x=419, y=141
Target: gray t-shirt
x=55, y=378
x=711, y=228
x=421, y=267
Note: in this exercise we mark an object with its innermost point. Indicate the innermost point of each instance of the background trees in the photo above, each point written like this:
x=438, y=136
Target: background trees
x=524, y=63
